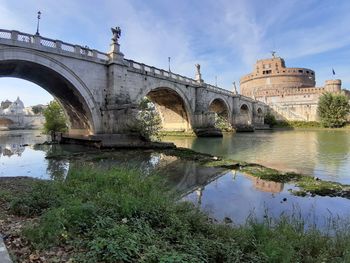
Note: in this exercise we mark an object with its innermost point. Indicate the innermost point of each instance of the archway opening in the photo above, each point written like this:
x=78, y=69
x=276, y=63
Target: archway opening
x=76, y=109
x=259, y=116
x=244, y=115
x=172, y=109
x=222, y=119
x=219, y=107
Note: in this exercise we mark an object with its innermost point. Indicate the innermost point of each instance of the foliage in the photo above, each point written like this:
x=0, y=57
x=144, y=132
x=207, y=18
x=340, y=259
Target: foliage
x=55, y=120
x=125, y=216
x=38, y=109
x=149, y=121
x=297, y=124
x=222, y=123
x=270, y=119
x=333, y=109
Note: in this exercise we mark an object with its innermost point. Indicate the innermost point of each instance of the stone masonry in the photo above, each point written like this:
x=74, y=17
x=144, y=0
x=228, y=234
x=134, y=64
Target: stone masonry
x=101, y=92
x=289, y=92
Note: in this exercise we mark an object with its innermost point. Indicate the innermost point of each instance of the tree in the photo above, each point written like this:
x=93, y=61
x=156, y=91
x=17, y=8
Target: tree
x=38, y=109
x=149, y=121
x=270, y=119
x=333, y=109
x=55, y=120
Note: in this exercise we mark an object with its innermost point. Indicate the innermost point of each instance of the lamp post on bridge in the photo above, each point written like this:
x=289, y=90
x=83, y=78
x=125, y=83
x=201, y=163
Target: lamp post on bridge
x=169, y=63
x=38, y=24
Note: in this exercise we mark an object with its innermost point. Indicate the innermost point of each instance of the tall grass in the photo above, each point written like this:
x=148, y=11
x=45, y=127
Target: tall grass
x=125, y=216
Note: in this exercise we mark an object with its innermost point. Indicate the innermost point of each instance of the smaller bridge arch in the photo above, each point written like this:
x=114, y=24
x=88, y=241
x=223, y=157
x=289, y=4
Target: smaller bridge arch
x=221, y=107
x=173, y=106
x=245, y=113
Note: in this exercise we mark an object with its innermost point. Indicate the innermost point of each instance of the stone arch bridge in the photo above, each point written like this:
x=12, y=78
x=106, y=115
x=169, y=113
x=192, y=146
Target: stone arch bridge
x=100, y=92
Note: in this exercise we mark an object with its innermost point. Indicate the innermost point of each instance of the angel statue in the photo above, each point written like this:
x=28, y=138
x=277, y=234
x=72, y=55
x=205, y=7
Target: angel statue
x=116, y=33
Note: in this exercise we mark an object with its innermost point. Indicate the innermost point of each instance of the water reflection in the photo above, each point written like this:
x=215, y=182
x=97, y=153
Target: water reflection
x=321, y=153
x=236, y=196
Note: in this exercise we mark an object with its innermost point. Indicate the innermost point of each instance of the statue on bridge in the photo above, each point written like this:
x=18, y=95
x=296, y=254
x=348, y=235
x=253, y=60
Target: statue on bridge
x=116, y=34
x=198, y=76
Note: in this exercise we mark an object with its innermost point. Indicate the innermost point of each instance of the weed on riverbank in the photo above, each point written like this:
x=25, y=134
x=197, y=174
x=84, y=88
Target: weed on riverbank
x=125, y=216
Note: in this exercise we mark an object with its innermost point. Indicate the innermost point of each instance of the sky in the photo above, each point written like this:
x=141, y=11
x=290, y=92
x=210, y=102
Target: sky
x=225, y=37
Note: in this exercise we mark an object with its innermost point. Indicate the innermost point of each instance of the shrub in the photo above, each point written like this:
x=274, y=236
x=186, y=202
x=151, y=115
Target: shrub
x=55, y=120
x=149, y=121
x=270, y=119
x=222, y=123
x=333, y=109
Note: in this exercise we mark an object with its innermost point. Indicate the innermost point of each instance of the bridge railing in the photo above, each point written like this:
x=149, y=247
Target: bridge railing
x=37, y=41
x=165, y=73
x=219, y=90
x=160, y=72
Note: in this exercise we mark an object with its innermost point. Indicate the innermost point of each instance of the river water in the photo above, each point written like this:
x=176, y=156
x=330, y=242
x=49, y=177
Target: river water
x=219, y=192
x=321, y=153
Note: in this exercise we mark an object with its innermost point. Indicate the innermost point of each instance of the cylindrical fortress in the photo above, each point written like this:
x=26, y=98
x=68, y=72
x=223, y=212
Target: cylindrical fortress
x=333, y=85
x=272, y=74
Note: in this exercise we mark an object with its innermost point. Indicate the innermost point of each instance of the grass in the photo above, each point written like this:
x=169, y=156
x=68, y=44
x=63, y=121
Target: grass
x=178, y=133
x=297, y=124
x=125, y=216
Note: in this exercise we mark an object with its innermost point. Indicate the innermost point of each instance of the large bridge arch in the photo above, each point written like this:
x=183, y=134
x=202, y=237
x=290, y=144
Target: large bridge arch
x=175, y=109
x=58, y=80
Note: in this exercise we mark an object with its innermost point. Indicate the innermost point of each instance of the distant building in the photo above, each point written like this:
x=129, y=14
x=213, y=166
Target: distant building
x=5, y=104
x=290, y=92
x=13, y=115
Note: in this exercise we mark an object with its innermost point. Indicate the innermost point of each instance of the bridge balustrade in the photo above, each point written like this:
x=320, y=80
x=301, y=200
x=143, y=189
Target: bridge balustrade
x=38, y=41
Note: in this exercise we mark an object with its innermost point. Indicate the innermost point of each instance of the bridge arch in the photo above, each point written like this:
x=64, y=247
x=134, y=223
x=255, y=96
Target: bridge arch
x=172, y=104
x=58, y=80
x=221, y=107
x=245, y=114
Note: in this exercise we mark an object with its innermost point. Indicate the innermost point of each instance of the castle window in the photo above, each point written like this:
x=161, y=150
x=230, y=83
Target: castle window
x=312, y=73
x=300, y=71
x=307, y=72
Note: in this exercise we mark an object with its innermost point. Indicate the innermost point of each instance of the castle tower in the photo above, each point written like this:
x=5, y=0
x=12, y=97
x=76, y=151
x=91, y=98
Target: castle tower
x=333, y=85
x=273, y=75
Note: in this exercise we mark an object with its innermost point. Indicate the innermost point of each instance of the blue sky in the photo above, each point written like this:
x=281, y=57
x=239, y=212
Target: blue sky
x=225, y=36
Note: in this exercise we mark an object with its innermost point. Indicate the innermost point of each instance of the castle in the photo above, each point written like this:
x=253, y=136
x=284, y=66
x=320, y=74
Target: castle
x=289, y=92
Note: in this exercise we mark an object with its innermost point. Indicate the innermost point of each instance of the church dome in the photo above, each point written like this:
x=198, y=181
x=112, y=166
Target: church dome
x=17, y=107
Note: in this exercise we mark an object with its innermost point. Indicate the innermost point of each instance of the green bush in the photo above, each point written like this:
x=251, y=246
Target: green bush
x=55, y=120
x=149, y=122
x=333, y=109
x=270, y=119
x=222, y=123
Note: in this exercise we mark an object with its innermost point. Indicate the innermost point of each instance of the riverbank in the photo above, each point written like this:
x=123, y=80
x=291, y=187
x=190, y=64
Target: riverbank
x=125, y=216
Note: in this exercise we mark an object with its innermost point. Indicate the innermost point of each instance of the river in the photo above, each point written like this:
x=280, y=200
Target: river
x=221, y=193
